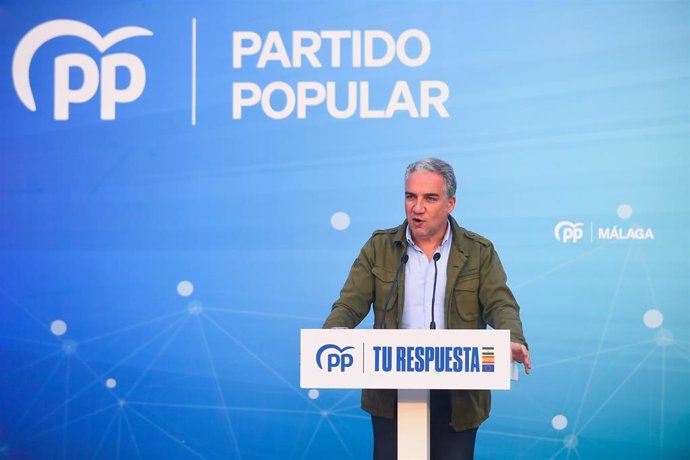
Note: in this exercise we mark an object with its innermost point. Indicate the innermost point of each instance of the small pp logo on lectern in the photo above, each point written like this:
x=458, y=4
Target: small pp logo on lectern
x=336, y=358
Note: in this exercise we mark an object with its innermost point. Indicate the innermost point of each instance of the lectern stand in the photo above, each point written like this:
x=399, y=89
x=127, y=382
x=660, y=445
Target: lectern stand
x=411, y=361
x=413, y=424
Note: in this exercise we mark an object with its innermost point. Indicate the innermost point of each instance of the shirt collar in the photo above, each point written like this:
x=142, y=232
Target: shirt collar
x=408, y=235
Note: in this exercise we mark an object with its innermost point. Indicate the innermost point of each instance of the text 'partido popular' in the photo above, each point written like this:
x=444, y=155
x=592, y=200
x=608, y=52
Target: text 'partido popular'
x=347, y=50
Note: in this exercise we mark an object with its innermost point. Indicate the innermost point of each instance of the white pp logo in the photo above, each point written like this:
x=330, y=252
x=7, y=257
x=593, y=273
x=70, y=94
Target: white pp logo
x=568, y=231
x=93, y=78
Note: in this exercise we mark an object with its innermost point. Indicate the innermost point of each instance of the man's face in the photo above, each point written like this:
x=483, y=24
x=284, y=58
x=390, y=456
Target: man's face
x=426, y=205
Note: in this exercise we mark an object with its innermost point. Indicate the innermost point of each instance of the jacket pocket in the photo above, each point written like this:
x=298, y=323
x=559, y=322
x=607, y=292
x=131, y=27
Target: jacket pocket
x=467, y=297
x=382, y=286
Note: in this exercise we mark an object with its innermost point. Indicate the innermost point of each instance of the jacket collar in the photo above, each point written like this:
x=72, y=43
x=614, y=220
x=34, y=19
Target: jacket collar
x=400, y=237
x=460, y=245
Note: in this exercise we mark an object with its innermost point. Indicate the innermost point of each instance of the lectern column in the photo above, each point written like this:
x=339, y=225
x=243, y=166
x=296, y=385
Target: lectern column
x=413, y=424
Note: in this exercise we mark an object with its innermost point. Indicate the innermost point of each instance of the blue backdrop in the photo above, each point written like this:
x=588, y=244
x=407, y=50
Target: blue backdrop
x=155, y=268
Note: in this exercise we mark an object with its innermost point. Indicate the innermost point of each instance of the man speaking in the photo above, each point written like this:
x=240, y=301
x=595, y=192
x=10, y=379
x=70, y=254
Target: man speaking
x=430, y=260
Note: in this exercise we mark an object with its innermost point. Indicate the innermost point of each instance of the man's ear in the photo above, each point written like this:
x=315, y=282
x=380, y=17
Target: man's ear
x=451, y=204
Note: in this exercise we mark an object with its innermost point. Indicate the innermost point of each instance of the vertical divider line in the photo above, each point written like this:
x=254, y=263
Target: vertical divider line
x=193, y=71
x=591, y=232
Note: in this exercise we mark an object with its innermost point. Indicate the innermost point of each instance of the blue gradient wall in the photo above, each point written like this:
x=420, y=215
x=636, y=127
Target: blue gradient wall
x=155, y=273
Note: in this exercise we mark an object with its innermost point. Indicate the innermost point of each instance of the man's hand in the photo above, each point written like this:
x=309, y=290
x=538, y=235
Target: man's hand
x=521, y=355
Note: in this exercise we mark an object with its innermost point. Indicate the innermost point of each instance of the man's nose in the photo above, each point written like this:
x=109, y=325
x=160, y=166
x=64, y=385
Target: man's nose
x=418, y=207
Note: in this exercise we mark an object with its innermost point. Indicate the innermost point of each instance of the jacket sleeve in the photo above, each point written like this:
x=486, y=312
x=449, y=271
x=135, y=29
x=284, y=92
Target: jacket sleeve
x=357, y=293
x=500, y=309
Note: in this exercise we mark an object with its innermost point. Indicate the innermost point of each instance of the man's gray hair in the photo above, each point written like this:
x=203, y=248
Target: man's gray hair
x=437, y=166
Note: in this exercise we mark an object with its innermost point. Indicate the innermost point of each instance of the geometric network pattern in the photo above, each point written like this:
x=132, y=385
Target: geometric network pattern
x=61, y=402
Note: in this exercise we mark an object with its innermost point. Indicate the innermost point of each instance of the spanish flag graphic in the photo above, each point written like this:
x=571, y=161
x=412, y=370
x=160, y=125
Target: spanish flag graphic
x=487, y=359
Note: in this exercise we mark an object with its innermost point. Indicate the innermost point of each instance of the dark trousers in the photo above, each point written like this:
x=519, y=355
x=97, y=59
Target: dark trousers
x=446, y=443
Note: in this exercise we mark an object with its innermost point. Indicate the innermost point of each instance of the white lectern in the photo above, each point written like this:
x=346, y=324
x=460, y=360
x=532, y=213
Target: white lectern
x=411, y=361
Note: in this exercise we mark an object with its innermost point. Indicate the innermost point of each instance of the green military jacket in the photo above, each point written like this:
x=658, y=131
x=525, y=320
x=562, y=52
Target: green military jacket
x=476, y=295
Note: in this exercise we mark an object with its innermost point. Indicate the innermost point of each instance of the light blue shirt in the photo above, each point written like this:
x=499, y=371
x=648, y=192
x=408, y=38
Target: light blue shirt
x=419, y=285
